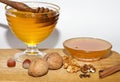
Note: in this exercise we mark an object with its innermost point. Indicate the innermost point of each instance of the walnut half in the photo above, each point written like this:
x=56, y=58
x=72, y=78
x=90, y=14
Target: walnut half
x=70, y=64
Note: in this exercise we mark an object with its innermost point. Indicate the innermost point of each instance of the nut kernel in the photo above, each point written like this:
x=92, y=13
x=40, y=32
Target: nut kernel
x=11, y=62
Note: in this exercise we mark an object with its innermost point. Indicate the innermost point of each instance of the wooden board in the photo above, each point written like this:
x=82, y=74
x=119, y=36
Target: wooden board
x=18, y=74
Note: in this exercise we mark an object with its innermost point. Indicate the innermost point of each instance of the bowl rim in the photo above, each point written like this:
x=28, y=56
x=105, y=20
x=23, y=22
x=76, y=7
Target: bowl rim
x=53, y=5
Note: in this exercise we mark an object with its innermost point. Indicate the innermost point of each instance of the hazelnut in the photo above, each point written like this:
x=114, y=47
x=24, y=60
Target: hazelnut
x=11, y=62
x=26, y=63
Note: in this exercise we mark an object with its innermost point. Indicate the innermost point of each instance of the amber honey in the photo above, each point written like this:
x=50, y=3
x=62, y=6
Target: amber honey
x=31, y=28
x=87, y=49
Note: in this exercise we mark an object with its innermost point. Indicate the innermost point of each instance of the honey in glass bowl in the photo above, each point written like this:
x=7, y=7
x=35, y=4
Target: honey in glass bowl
x=31, y=28
x=87, y=48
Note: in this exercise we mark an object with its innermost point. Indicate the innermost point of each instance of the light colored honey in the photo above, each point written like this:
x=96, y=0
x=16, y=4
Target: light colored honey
x=31, y=28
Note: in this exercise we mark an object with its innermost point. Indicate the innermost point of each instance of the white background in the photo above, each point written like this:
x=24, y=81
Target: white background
x=78, y=18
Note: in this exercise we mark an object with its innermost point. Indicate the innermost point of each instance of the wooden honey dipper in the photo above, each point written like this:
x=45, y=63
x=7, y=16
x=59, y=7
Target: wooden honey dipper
x=18, y=5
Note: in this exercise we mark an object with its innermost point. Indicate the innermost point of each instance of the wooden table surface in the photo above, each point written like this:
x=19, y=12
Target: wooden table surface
x=18, y=74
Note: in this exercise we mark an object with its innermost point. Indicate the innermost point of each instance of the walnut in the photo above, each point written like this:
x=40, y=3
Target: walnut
x=70, y=64
x=38, y=67
x=88, y=68
x=84, y=75
x=73, y=69
x=54, y=60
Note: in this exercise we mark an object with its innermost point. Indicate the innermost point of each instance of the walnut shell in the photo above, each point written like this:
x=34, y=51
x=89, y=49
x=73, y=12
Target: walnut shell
x=38, y=67
x=54, y=60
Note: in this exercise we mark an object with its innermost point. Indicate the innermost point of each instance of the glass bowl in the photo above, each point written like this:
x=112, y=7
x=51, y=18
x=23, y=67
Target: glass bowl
x=87, y=48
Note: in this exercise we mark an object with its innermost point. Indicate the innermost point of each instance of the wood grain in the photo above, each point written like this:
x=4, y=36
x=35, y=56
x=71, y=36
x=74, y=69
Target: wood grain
x=18, y=74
